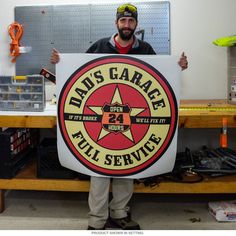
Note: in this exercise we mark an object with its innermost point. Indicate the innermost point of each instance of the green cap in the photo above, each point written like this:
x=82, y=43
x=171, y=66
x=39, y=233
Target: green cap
x=127, y=10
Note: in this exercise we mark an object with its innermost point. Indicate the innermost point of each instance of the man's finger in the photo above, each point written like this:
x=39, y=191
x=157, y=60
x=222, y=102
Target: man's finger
x=55, y=50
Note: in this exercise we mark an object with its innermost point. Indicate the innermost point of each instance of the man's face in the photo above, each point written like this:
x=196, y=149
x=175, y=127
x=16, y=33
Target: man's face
x=126, y=27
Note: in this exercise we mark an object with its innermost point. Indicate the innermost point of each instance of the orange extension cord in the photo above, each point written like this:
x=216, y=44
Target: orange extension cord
x=15, y=31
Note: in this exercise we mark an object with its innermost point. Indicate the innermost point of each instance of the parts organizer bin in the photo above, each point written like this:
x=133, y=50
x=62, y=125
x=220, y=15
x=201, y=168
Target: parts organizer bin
x=16, y=147
x=22, y=93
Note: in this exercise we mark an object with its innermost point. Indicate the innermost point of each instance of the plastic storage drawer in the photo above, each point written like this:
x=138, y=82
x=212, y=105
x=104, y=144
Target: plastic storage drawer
x=22, y=93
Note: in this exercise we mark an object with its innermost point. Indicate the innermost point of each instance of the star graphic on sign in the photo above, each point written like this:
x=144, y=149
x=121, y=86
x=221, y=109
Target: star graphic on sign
x=116, y=100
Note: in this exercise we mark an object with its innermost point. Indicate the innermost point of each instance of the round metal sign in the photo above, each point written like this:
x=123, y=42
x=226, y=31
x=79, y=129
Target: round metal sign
x=117, y=115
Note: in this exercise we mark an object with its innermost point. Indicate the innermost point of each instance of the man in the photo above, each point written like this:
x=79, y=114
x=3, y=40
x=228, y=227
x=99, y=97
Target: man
x=123, y=42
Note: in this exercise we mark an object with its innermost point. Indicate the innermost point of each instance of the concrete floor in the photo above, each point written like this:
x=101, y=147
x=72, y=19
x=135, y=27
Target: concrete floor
x=68, y=211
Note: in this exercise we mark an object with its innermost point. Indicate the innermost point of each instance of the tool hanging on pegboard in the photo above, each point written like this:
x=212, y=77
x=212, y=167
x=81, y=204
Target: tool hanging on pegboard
x=15, y=31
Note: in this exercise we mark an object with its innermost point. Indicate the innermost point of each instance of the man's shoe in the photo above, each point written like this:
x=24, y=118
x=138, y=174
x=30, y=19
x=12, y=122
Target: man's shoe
x=125, y=223
x=92, y=228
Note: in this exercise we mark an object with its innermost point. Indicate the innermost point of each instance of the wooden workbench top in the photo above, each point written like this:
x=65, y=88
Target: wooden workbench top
x=192, y=114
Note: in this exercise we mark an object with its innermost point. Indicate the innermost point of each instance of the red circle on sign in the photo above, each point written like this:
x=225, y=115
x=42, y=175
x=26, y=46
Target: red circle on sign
x=130, y=96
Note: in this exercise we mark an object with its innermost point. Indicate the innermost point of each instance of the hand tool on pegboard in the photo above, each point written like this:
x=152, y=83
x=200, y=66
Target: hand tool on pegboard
x=15, y=31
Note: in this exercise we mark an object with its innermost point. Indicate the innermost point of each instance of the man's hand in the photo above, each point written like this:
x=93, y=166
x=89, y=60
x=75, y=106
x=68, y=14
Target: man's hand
x=183, y=62
x=55, y=58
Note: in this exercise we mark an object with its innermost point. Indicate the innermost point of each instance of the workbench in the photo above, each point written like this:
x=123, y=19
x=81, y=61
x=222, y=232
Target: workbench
x=192, y=114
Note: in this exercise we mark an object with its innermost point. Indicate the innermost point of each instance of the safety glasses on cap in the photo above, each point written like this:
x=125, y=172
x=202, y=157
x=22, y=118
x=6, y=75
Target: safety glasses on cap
x=126, y=7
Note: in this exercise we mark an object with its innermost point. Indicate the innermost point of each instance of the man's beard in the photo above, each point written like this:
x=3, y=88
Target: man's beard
x=124, y=36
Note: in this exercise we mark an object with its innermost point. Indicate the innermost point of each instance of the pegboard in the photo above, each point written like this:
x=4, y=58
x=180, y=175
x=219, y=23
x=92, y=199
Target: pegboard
x=73, y=28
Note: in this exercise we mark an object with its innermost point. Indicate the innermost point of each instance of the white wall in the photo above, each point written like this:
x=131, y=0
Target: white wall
x=194, y=25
